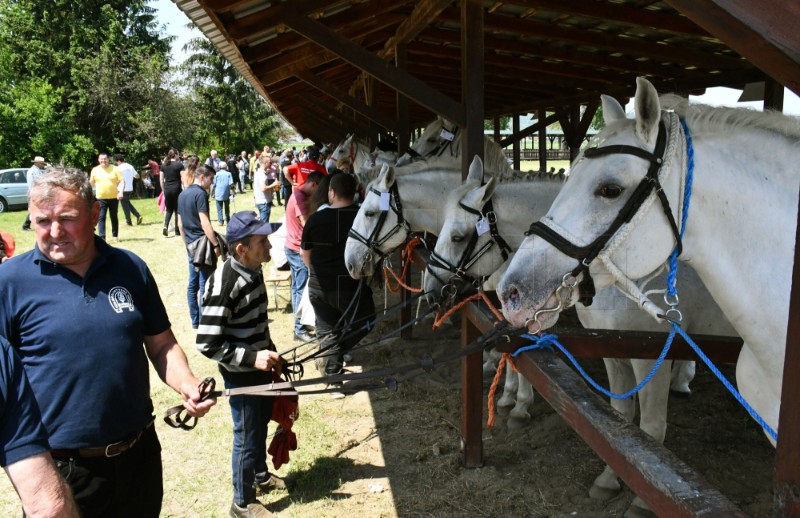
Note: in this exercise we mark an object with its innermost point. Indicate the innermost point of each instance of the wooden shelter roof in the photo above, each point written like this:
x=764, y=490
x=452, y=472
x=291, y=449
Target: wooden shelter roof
x=334, y=66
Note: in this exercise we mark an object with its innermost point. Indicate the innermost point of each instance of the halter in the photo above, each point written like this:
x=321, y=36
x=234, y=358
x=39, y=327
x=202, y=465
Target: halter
x=374, y=241
x=439, y=149
x=554, y=234
x=468, y=259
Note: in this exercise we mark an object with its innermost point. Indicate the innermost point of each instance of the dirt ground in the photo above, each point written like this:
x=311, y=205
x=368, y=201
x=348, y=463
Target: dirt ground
x=544, y=470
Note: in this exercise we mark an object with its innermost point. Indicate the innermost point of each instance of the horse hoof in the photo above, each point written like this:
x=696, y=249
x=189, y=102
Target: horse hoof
x=603, y=493
x=515, y=424
x=634, y=511
x=504, y=402
x=679, y=394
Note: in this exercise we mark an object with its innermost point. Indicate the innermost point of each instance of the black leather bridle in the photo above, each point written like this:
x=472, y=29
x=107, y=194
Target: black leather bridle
x=470, y=256
x=375, y=241
x=586, y=254
x=440, y=148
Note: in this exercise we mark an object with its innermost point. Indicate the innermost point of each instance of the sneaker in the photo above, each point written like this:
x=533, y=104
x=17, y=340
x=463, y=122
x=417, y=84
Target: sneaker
x=303, y=337
x=254, y=510
x=164, y=232
x=26, y=228
x=272, y=483
x=336, y=387
x=128, y=224
x=138, y=220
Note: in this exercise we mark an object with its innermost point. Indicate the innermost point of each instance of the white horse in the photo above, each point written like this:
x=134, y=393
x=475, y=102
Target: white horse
x=462, y=256
x=359, y=154
x=739, y=236
x=420, y=187
x=444, y=139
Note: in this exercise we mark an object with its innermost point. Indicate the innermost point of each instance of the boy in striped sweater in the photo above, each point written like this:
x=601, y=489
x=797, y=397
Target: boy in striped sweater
x=233, y=331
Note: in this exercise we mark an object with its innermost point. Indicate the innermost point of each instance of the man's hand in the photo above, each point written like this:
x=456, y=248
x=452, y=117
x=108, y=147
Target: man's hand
x=268, y=360
x=190, y=390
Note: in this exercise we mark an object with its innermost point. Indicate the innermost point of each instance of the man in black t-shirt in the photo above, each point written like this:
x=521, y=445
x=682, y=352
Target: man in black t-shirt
x=342, y=305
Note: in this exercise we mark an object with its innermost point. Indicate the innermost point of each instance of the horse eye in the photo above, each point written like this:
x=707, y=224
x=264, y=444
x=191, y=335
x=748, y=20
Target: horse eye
x=369, y=214
x=456, y=239
x=610, y=191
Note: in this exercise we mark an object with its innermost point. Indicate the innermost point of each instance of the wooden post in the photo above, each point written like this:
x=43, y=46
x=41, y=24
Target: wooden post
x=515, y=147
x=472, y=74
x=787, y=457
x=542, y=115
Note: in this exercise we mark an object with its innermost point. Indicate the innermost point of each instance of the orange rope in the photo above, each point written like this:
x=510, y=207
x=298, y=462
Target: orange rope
x=493, y=391
x=405, y=258
x=452, y=310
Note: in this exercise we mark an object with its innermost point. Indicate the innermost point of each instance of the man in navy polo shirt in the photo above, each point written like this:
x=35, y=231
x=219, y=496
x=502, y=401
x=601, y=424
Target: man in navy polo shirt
x=194, y=223
x=23, y=444
x=78, y=312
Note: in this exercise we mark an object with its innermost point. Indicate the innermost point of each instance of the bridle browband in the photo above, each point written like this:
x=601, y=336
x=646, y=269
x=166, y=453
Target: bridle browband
x=586, y=254
x=468, y=258
x=374, y=241
x=440, y=147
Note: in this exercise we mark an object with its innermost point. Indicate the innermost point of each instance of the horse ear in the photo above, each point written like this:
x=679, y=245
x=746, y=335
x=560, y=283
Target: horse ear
x=386, y=178
x=476, y=170
x=487, y=191
x=648, y=111
x=612, y=109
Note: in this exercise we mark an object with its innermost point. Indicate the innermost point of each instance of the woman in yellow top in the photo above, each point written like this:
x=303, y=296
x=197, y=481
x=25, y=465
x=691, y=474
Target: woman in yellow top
x=110, y=186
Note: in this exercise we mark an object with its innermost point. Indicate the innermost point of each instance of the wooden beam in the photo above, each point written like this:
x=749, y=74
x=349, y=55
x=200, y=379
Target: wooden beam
x=339, y=95
x=762, y=32
x=384, y=72
x=530, y=130
x=787, y=459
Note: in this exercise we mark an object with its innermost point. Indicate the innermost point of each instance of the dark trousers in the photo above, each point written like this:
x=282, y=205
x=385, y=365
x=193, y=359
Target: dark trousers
x=171, y=204
x=329, y=306
x=110, y=207
x=128, y=208
x=128, y=485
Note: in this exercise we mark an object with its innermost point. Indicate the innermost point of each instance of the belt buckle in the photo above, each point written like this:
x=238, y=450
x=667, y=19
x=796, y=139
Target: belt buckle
x=107, y=454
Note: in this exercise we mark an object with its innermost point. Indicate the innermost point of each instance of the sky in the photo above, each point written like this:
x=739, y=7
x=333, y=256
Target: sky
x=175, y=21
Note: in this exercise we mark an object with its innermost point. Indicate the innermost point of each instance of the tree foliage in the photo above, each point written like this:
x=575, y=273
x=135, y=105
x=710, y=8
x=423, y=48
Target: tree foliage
x=82, y=76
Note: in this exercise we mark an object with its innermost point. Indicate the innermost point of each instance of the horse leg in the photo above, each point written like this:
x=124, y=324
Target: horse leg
x=620, y=380
x=490, y=359
x=653, y=400
x=509, y=389
x=519, y=416
x=682, y=375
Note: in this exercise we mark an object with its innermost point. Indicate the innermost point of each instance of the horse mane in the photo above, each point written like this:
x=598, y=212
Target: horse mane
x=703, y=118
x=462, y=190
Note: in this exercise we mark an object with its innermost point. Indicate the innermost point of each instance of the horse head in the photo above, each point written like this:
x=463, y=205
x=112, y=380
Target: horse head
x=455, y=263
x=379, y=226
x=435, y=135
x=607, y=214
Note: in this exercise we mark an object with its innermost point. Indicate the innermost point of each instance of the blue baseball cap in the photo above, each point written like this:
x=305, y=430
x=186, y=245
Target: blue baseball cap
x=244, y=224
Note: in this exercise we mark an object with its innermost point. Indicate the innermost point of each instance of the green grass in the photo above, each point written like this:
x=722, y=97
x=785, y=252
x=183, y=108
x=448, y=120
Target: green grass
x=197, y=479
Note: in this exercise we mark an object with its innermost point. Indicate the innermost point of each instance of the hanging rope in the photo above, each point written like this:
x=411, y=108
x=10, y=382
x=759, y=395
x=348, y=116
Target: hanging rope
x=493, y=390
x=405, y=259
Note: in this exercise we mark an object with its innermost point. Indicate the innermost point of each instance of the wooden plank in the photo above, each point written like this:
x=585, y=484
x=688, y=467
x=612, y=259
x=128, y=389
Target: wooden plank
x=787, y=460
x=341, y=96
x=654, y=473
x=763, y=32
x=376, y=67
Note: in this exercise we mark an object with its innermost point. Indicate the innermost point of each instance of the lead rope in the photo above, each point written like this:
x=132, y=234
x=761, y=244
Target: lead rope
x=405, y=259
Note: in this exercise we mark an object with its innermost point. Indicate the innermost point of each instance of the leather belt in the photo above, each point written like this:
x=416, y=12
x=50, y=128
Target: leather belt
x=110, y=450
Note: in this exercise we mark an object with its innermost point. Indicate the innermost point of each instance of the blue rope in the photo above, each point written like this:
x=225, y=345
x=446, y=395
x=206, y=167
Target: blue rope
x=750, y=410
x=547, y=341
x=687, y=195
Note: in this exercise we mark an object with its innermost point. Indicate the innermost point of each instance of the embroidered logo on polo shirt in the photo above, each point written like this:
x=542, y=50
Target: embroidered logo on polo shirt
x=120, y=299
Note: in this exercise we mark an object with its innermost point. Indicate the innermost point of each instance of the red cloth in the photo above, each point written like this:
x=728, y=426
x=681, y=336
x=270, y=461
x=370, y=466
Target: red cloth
x=298, y=172
x=8, y=240
x=285, y=411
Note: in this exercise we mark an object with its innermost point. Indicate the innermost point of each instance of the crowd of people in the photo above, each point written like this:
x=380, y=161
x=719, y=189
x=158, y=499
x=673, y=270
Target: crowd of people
x=76, y=430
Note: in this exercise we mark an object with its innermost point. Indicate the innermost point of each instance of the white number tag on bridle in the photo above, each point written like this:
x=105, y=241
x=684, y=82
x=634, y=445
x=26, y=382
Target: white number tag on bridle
x=384, y=206
x=446, y=135
x=482, y=226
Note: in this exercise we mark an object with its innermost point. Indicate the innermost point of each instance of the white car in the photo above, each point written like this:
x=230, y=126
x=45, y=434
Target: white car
x=13, y=189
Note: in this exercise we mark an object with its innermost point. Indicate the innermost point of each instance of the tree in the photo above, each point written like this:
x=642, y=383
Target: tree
x=233, y=116
x=78, y=73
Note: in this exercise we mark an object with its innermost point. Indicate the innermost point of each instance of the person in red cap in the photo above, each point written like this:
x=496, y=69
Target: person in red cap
x=233, y=331
x=298, y=172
